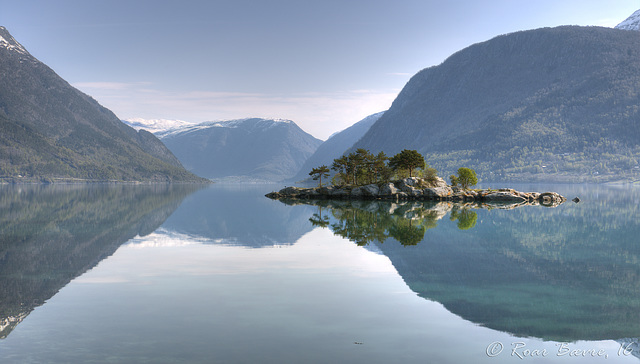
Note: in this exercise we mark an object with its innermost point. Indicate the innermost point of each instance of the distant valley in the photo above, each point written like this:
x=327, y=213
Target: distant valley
x=207, y=150
x=335, y=146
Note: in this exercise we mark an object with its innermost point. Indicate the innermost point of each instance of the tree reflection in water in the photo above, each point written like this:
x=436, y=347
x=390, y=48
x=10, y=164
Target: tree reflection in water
x=364, y=222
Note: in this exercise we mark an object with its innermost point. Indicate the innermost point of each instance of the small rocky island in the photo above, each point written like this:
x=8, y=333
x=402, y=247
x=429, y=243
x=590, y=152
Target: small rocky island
x=415, y=188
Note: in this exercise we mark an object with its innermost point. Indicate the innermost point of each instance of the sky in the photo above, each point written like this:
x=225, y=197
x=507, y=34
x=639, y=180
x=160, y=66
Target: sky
x=324, y=64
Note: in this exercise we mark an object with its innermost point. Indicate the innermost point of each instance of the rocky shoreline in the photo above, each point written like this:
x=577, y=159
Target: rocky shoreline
x=415, y=188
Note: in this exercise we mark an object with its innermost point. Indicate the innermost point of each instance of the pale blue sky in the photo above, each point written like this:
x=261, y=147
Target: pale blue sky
x=324, y=64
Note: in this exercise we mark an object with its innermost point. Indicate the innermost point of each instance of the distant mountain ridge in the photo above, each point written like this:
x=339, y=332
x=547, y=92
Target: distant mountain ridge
x=248, y=150
x=335, y=146
x=51, y=131
x=546, y=104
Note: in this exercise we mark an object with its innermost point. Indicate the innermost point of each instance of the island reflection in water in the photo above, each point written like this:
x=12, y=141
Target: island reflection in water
x=365, y=222
x=565, y=274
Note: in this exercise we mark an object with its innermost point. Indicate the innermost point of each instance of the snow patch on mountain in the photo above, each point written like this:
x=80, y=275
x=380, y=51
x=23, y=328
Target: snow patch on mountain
x=248, y=123
x=243, y=122
x=8, y=42
x=631, y=23
x=156, y=125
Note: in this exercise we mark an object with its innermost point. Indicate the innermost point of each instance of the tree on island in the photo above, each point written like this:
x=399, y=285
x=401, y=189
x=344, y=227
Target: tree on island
x=381, y=172
x=318, y=173
x=429, y=173
x=361, y=167
x=341, y=165
x=361, y=161
x=407, y=159
x=467, y=177
x=454, y=180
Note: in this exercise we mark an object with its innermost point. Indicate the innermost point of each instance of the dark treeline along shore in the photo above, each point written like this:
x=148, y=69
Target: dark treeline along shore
x=362, y=175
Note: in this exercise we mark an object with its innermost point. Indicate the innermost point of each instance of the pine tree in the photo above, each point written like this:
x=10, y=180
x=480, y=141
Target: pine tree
x=407, y=159
x=318, y=173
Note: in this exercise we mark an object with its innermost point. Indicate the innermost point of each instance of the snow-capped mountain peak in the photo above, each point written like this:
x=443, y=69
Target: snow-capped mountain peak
x=631, y=23
x=252, y=149
x=156, y=125
x=164, y=127
x=8, y=42
x=247, y=123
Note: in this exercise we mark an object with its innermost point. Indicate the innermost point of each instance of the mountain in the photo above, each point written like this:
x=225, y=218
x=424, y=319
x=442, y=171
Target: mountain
x=546, y=104
x=631, y=23
x=245, y=149
x=51, y=131
x=336, y=145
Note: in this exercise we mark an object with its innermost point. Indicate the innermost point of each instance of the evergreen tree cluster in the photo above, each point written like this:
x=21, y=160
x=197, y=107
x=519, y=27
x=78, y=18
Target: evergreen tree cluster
x=362, y=167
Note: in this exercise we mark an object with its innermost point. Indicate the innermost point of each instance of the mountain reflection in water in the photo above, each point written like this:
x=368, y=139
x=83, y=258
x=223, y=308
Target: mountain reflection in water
x=239, y=215
x=568, y=273
x=50, y=234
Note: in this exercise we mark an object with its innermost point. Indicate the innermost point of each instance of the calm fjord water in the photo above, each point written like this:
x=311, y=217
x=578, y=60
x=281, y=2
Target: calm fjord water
x=221, y=274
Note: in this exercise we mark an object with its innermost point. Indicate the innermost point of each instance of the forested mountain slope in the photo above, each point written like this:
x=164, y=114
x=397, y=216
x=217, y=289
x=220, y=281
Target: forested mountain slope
x=52, y=132
x=547, y=104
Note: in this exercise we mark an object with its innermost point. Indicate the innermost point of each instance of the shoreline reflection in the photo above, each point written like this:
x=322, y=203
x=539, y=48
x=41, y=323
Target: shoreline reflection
x=51, y=234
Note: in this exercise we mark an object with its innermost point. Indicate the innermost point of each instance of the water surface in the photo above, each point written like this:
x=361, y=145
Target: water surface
x=224, y=275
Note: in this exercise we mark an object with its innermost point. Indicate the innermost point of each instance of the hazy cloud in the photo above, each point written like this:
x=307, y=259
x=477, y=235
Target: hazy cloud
x=107, y=85
x=320, y=114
